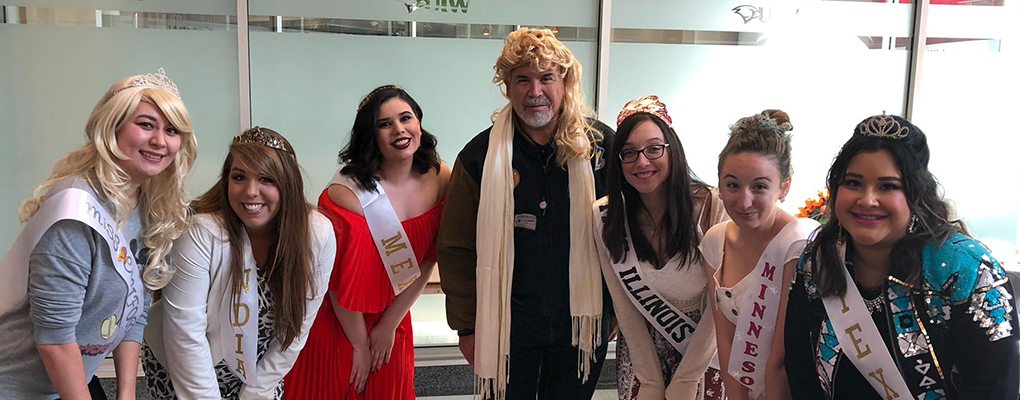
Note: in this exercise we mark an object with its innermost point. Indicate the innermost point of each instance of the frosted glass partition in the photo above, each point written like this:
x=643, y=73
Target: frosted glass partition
x=967, y=105
x=52, y=76
x=308, y=85
x=518, y=12
x=210, y=7
x=878, y=19
x=826, y=72
x=313, y=102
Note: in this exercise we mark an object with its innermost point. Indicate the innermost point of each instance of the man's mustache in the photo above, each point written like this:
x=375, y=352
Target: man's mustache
x=537, y=101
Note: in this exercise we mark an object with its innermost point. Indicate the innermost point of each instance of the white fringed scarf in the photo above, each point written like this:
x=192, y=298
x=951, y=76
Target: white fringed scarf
x=495, y=268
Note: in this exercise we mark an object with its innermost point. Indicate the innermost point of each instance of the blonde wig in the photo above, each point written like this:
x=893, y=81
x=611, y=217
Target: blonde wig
x=164, y=211
x=539, y=48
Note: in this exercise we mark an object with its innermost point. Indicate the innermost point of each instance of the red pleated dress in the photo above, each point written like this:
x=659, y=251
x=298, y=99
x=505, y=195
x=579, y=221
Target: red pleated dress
x=323, y=369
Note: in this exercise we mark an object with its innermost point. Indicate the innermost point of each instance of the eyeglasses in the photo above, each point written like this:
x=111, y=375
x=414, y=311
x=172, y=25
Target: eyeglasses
x=652, y=152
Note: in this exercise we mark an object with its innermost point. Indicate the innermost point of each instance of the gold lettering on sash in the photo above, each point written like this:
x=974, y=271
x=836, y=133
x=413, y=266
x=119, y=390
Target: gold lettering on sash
x=240, y=368
x=842, y=299
x=878, y=376
x=239, y=336
x=402, y=285
x=856, y=341
x=237, y=314
x=394, y=243
x=406, y=264
x=244, y=282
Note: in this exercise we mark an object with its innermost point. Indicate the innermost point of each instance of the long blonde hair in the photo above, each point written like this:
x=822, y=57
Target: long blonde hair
x=164, y=211
x=540, y=49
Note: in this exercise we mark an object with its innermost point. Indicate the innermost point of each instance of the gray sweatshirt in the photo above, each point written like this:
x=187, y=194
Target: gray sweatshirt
x=72, y=288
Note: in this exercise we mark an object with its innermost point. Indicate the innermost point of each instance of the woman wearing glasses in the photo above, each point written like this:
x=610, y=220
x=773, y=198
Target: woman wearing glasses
x=647, y=230
x=754, y=256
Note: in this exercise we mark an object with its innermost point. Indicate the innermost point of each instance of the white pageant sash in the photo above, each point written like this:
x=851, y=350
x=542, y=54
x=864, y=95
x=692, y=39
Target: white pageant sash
x=861, y=343
x=399, y=261
x=670, y=322
x=239, y=328
x=752, y=338
x=79, y=205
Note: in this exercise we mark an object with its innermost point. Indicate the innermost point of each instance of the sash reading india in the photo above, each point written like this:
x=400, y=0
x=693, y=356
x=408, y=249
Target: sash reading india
x=399, y=261
x=861, y=342
x=671, y=323
x=79, y=205
x=241, y=333
x=752, y=338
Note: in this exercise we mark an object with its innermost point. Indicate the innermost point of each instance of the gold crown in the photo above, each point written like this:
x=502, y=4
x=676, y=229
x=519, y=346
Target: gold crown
x=256, y=136
x=158, y=80
x=373, y=93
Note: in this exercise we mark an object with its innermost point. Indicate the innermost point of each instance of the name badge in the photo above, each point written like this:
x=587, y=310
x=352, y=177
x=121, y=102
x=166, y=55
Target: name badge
x=526, y=221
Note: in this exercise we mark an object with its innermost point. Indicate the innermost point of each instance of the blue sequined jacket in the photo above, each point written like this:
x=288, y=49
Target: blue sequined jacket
x=954, y=337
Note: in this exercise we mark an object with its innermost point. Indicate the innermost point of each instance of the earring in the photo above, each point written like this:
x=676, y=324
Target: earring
x=913, y=224
x=841, y=238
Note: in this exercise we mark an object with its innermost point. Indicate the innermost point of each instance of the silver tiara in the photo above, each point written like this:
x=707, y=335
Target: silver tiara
x=884, y=126
x=158, y=80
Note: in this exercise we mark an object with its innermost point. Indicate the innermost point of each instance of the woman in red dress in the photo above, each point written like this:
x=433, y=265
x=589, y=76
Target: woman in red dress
x=361, y=344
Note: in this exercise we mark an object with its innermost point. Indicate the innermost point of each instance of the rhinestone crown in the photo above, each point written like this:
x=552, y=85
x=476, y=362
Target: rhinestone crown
x=158, y=80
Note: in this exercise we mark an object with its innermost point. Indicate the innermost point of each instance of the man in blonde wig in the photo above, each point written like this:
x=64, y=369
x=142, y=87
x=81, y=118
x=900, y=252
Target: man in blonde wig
x=520, y=273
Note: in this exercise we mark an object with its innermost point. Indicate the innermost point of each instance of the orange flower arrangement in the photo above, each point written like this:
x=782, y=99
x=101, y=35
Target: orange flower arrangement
x=815, y=208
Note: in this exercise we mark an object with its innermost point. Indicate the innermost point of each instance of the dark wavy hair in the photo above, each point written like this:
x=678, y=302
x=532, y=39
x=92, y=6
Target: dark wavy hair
x=361, y=158
x=934, y=215
x=683, y=190
x=290, y=271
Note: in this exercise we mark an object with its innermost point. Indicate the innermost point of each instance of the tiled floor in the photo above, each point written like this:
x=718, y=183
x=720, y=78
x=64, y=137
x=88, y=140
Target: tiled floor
x=599, y=395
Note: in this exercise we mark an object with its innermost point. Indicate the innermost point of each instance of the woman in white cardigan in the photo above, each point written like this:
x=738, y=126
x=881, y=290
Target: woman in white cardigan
x=647, y=229
x=251, y=274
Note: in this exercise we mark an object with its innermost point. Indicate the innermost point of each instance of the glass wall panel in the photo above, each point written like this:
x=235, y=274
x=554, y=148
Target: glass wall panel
x=967, y=106
x=827, y=63
x=313, y=61
x=59, y=57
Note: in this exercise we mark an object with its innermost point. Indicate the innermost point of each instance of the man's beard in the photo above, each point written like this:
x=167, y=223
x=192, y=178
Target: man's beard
x=537, y=119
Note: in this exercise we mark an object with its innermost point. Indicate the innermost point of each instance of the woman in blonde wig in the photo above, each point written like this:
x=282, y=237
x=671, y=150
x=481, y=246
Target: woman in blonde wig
x=74, y=285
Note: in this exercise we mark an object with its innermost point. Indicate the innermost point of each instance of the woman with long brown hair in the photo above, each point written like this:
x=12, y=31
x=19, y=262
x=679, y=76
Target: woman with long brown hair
x=251, y=273
x=647, y=230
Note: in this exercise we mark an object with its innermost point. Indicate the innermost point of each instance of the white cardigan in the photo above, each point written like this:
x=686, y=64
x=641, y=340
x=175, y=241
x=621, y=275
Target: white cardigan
x=184, y=326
